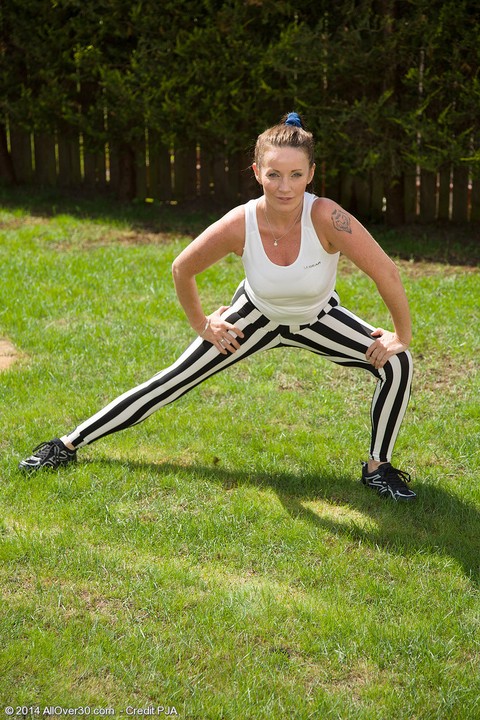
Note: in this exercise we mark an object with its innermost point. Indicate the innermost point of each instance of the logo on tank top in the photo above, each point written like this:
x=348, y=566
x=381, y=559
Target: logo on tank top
x=307, y=267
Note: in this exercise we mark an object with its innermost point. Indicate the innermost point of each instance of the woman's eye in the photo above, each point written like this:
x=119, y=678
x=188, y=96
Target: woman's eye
x=276, y=175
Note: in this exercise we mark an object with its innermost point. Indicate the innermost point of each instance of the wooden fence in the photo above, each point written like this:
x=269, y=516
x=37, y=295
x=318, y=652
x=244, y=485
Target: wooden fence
x=183, y=174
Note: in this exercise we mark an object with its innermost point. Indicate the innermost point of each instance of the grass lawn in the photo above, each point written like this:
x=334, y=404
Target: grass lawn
x=222, y=560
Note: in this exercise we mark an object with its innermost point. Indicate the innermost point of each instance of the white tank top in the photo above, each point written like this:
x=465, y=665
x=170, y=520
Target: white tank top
x=294, y=294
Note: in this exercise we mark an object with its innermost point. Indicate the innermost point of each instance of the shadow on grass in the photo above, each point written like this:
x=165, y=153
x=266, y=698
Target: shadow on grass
x=186, y=218
x=442, y=242
x=436, y=522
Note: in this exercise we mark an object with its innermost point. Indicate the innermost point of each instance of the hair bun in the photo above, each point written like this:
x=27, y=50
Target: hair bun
x=293, y=118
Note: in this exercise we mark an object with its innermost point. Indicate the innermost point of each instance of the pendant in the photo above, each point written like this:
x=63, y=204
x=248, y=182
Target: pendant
x=275, y=243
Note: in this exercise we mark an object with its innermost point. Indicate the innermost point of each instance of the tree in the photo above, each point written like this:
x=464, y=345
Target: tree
x=385, y=85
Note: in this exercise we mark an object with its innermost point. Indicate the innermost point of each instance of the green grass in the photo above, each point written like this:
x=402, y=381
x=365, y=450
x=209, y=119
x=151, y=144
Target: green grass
x=222, y=558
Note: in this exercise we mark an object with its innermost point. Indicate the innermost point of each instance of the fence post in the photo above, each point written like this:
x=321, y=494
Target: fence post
x=242, y=182
x=21, y=152
x=460, y=194
x=113, y=167
x=249, y=186
x=185, y=173
x=361, y=197
x=220, y=177
x=395, y=200
x=94, y=169
x=159, y=168
x=6, y=165
x=69, y=173
x=233, y=177
x=332, y=186
x=45, y=159
x=444, y=193
x=410, y=195
x=428, y=195
x=123, y=171
x=346, y=184
x=206, y=173
x=475, y=200
x=141, y=169
x=376, y=196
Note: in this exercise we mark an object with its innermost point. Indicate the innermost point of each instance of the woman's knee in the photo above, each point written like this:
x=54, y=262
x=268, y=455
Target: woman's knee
x=401, y=364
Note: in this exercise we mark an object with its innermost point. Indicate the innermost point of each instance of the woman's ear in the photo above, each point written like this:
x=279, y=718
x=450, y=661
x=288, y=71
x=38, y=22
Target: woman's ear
x=257, y=172
x=312, y=173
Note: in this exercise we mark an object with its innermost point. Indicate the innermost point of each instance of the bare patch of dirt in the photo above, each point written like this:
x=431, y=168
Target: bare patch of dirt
x=134, y=237
x=100, y=236
x=416, y=268
x=425, y=268
x=13, y=223
x=8, y=354
x=444, y=376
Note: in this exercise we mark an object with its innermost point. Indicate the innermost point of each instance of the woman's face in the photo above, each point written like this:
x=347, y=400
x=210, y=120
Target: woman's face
x=284, y=174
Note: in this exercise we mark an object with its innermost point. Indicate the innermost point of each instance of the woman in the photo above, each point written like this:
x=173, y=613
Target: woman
x=289, y=241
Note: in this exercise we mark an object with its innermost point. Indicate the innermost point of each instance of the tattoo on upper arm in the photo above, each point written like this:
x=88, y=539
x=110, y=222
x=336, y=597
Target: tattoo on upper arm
x=341, y=221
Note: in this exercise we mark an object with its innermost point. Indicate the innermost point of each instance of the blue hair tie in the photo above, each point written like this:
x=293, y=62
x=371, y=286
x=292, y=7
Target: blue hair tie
x=293, y=118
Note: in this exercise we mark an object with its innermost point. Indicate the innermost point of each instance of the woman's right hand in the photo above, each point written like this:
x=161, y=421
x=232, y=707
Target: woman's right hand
x=221, y=333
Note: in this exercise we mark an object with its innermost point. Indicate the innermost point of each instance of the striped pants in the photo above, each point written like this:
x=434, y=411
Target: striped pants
x=336, y=335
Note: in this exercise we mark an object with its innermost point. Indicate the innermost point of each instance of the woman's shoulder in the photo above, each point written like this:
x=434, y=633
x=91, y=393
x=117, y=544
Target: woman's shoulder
x=231, y=227
x=324, y=212
x=234, y=218
x=323, y=207
x=327, y=213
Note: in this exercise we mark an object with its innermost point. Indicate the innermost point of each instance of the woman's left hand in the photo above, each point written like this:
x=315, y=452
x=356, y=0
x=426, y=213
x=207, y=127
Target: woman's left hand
x=385, y=346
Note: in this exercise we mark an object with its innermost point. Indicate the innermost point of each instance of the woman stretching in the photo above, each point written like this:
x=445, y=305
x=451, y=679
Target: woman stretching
x=289, y=241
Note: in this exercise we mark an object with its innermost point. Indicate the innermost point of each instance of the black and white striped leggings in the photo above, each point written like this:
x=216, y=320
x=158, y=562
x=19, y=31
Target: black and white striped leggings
x=336, y=335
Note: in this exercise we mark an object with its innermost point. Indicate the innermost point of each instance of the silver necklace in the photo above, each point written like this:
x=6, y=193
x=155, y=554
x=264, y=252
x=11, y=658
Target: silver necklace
x=276, y=239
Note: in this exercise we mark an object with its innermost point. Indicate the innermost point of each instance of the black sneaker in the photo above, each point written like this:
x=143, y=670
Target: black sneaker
x=388, y=480
x=51, y=454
